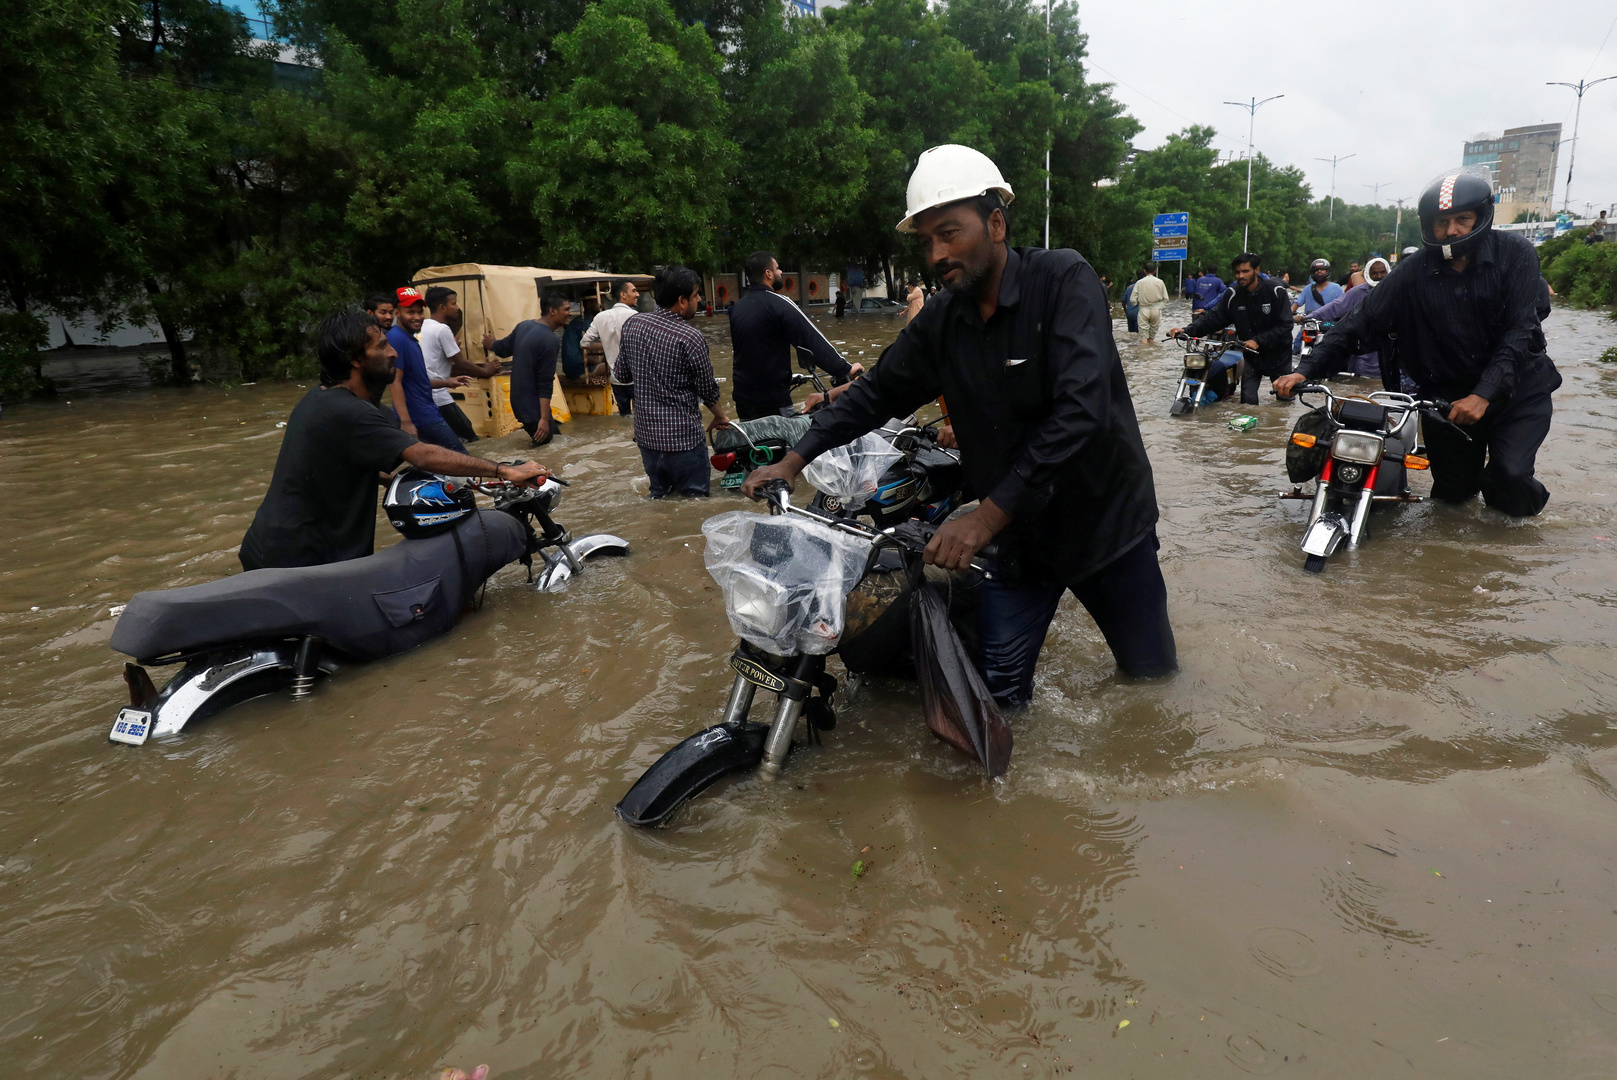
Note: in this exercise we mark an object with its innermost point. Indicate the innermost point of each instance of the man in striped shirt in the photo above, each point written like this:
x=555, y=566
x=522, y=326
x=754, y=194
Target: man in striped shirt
x=667, y=361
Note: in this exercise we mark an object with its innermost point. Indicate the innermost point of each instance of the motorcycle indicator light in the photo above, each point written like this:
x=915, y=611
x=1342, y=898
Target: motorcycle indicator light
x=1306, y=441
x=723, y=462
x=1413, y=462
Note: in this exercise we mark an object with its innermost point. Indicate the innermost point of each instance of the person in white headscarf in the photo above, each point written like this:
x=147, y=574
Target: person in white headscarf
x=1367, y=364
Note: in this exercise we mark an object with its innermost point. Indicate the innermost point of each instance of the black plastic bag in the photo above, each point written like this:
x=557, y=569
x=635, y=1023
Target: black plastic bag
x=959, y=708
x=1303, y=463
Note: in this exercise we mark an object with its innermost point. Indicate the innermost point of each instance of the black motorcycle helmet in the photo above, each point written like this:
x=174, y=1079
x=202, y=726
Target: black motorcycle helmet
x=1452, y=193
x=1316, y=264
x=421, y=504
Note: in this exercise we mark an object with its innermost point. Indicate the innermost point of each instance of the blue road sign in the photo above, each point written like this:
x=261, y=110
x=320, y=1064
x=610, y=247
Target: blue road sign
x=1177, y=254
x=1171, y=219
x=1160, y=231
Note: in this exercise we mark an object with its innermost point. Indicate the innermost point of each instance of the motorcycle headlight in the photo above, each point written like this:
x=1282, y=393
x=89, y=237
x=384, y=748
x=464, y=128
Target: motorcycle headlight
x=1195, y=361
x=1356, y=446
x=757, y=603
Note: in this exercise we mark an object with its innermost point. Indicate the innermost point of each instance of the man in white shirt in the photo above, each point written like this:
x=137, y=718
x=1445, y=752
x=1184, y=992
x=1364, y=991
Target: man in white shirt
x=444, y=360
x=1150, y=294
x=606, y=332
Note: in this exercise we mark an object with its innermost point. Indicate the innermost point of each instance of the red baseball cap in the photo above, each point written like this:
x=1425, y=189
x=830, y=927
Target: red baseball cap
x=408, y=297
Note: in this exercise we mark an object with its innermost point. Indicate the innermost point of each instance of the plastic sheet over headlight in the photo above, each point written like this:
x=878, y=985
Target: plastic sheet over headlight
x=1357, y=446
x=757, y=603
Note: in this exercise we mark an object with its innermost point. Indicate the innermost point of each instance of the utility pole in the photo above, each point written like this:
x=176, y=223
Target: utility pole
x=1051, y=138
x=1331, y=215
x=1252, y=108
x=1377, y=189
x=1397, y=224
x=1579, y=87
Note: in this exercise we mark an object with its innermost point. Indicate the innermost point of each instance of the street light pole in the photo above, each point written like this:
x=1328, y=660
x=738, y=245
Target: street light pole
x=1331, y=214
x=1397, y=224
x=1579, y=88
x=1052, y=136
x=1252, y=108
x=1377, y=189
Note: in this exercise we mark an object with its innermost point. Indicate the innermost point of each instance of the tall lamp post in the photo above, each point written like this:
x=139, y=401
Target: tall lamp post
x=1252, y=108
x=1377, y=189
x=1331, y=214
x=1397, y=224
x=1050, y=140
x=1579, y=88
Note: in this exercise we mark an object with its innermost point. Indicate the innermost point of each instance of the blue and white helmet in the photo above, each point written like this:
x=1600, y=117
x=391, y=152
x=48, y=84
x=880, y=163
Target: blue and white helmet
x=421, y=504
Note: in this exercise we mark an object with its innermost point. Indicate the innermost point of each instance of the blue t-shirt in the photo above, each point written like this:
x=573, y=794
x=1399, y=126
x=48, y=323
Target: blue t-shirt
x=1327, y=292
x=417, y=387
x=1209, y=289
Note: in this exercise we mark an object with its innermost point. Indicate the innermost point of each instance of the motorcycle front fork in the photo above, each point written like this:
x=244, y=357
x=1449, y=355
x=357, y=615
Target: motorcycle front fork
x=1360, y=513
x=788, y=708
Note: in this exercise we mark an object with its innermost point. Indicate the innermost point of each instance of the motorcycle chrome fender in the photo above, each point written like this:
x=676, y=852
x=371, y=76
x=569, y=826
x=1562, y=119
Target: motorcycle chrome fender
x=206, y=686
x=689, y=768
x=559, y=568
x=1325, y=535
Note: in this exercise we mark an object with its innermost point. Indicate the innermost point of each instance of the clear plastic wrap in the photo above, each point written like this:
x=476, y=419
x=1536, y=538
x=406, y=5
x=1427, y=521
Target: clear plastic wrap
x=850, y=473
x=785, y=579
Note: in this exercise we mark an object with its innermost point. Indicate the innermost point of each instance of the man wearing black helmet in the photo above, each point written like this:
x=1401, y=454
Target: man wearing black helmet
x=1462, y=319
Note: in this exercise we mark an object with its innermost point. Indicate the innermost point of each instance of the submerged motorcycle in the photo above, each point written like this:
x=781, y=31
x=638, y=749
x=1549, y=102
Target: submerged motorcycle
x=1196, y=386
x=1313, y=333
x=1358, y=452
x=799, y=585
x=265, y=631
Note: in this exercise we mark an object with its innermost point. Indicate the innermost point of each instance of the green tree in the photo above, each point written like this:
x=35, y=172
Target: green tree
x=629, y=158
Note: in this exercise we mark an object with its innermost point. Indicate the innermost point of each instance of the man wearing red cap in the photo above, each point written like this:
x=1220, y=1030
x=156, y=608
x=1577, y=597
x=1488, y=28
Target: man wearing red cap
x=412, y=386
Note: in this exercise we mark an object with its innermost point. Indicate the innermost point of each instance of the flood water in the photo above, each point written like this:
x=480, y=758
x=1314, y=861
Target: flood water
x=1369, y=830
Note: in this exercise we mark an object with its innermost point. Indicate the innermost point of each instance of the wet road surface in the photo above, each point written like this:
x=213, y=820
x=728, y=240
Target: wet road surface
x=1368, y=830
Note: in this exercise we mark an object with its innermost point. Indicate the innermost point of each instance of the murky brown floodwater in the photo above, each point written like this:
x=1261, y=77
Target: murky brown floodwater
x=1367, y=831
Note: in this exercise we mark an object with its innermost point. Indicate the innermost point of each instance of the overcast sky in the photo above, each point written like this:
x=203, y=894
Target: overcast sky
x=1367, y=78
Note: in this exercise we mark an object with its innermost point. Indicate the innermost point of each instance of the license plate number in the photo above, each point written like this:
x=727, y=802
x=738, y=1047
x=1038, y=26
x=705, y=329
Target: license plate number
x=732, y=479
x=132, y=726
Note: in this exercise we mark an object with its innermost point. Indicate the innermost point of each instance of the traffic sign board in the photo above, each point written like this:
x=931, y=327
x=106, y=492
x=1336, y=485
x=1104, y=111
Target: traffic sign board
x=1178, y=232
x=1171, y=219
x=1178, y=254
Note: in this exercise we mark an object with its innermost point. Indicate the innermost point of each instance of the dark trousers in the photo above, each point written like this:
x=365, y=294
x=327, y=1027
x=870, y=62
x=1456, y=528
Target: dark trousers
x=439, y=434
x=1252, y=377
x=625, y=398
x=458, y=422
x=687, y=472
x=1127, y=599
x=1507, y=439
x=752, y=410
x=1133, y=317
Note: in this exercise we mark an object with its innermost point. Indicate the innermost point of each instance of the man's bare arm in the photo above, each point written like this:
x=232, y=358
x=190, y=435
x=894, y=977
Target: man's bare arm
x=439, y=460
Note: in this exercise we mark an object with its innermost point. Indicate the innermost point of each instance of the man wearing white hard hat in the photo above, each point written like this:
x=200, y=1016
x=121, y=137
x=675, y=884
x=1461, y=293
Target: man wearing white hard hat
x=1021, y=346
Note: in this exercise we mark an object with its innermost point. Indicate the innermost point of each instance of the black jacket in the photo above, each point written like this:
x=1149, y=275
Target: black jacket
x=1039, y=404
x=765, y=327
x=534, y=346
x=1453, y=334
x=1263, y=316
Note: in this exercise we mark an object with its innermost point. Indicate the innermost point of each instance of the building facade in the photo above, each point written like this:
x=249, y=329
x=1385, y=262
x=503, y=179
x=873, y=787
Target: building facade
x=1523, y=161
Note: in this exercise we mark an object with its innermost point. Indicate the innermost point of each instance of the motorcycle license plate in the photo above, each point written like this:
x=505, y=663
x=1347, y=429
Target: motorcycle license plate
x=732, y=479
x=132, y=726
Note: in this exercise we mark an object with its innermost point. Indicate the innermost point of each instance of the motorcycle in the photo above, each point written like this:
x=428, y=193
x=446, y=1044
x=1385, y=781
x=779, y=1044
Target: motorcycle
x=1359, y=453
x=1196, y=387
x=265, y=631
x=916, y=478
x=798, y=585
x=1313, y=333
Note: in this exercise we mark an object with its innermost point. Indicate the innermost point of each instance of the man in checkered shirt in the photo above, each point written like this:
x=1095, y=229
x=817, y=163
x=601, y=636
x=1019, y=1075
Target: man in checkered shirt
x=667, y=361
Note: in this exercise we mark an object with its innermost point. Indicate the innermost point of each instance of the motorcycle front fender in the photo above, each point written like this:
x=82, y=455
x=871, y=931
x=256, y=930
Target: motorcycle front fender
x=689, y=768
x=1325, y=536
x=558, y=570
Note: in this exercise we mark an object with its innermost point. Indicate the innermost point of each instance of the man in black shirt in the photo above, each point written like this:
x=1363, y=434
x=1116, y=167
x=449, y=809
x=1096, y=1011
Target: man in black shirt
x=535, y=347
x=321, y=503
x=1462, y=320
x=764, y=329
x=1259, y=308
x=1022, y=347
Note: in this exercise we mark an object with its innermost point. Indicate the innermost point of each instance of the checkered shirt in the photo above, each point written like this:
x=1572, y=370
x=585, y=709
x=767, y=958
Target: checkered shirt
x=666, y=359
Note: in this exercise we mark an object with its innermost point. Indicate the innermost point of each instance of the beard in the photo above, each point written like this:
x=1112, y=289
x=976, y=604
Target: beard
x=972, y=278
x=376, y=381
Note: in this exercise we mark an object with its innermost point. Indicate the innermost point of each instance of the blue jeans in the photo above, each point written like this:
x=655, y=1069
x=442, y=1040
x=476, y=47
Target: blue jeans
x=687, y=472
x=439, y=434
x=1127, y=598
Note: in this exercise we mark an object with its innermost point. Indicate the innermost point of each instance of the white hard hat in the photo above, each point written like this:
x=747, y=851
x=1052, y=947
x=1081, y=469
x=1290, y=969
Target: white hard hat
x=947, y=174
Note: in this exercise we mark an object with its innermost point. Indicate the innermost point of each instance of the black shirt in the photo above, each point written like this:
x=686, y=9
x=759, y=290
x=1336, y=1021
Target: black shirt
x=1040, y=407
x=321, y=503
x=764, y=328
x=1454, y=334
x=1263, y=315
x=533, y=371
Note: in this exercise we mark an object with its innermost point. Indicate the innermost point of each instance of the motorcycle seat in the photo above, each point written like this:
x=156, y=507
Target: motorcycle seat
x=365, y=608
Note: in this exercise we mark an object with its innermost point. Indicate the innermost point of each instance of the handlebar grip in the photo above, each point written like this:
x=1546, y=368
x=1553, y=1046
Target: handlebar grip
x=769, y=489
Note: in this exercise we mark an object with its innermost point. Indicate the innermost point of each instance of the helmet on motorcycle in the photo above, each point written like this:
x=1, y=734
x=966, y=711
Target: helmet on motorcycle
x=1470, y=188
x=421, y=504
